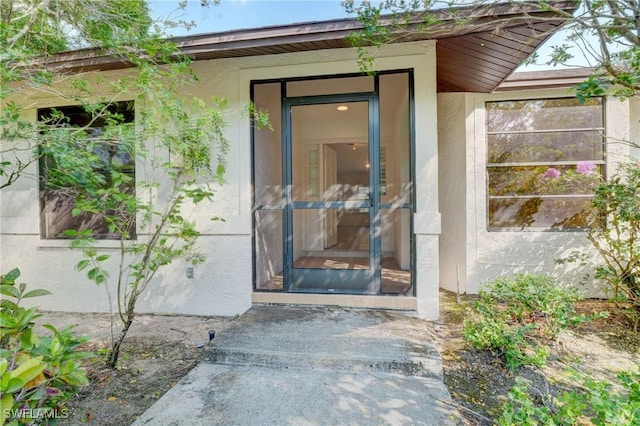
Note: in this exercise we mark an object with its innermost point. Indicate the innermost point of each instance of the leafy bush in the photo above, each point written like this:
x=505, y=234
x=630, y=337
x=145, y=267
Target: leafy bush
x=598, y=403
x=616, y=209
x=515, y=317
x=37, y=374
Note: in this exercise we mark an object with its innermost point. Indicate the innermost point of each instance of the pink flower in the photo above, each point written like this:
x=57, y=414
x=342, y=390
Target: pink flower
x=585, y=167
x=52, y=391
x=551, y=173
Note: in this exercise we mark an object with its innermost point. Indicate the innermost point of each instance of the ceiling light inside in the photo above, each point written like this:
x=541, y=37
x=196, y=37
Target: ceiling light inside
x=342, y=108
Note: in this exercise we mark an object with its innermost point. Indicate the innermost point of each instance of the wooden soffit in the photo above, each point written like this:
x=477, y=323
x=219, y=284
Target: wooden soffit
x=474, y=56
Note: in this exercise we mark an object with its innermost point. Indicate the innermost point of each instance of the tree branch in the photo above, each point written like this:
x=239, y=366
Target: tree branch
x=32, y=13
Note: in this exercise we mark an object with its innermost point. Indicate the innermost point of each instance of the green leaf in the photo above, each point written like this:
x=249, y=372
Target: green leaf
x=93, y=273
x=55, y=346
x=28, y=338
x=9, y=290
x=37, y=293
x=6, y=320
x=50, y=327
x=12, y=275
x=15, y=384
x=7, y=304
x=6, y=402
x=86, y=233
x=79, y=355
x=73, y=375
x=82, y=264
x=102, y=257
x=70, y=233
x=3, y=365
x=75, y=379
x=29, y=369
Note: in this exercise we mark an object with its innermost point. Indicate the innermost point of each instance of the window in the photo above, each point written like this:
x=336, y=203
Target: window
x=83, y=153
x=544, y=158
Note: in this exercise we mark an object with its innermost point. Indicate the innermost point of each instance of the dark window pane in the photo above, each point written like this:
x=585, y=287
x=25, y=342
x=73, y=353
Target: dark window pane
x=545, y=147
x=104, y=150
x=56, y=216
x=558, y=213
x=544, y=180
x=544, y=114
x=77, y=116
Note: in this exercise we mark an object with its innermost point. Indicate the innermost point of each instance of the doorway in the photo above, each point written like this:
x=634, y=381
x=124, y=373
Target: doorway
x=333, y=203
x=331, y=211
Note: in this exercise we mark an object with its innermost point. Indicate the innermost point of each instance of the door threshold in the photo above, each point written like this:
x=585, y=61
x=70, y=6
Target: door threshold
x=405, y=303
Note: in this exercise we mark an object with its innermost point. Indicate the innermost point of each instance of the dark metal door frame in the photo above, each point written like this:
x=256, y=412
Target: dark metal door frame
x=373, y=274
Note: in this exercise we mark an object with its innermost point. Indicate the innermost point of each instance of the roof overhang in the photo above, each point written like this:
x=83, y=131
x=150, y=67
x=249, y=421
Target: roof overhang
x=551, y=79
x=476, y=55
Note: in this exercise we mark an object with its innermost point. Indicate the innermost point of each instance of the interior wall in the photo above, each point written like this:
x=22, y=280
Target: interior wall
x=268, y=185
x=301, y=219
x=395, y=136
x=353, y=180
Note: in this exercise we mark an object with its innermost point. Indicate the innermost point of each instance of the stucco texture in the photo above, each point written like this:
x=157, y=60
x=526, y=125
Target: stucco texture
x=223, y=284
x=471, y=255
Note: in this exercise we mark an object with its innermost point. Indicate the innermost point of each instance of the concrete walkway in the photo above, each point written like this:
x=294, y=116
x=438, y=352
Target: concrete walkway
x=283, y=365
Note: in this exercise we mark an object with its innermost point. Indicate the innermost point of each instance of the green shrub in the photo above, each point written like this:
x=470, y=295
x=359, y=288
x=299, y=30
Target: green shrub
x=37, y=374
x=597, y=403
x=616, y=237
x=516, y=317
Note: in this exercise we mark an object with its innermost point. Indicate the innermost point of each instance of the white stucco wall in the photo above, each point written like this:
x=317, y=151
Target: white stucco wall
x=465, y=239
x=453, y=130
x=427, y=217
x=223, y=285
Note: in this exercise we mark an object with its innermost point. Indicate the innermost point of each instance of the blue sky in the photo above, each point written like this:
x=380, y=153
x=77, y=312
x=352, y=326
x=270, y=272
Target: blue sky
x=241, y=14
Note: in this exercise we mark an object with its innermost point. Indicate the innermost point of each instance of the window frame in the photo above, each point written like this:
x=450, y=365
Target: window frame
x=601, y=164
x=50, y=238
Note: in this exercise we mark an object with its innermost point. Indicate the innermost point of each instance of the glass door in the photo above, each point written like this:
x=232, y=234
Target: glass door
x=332, y=223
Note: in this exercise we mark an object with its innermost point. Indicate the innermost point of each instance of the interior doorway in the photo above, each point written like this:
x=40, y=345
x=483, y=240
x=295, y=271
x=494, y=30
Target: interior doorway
x=325, y=249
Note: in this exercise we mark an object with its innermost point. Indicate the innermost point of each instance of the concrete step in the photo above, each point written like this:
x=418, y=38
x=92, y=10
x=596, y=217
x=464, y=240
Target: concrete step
x=325, y=338
x=424, y=367
x=286, y=365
